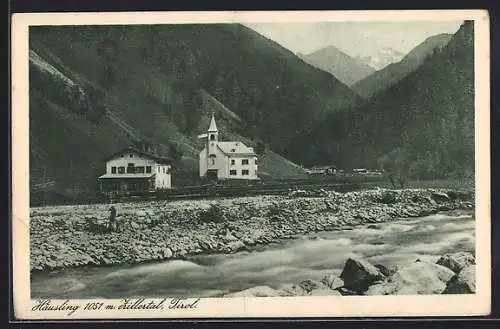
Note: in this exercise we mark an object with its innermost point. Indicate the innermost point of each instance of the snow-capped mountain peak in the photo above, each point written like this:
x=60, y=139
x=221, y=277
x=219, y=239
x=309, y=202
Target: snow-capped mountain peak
x=383, y=58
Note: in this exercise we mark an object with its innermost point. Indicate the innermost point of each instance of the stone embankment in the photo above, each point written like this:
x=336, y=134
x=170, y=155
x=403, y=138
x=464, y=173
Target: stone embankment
x=61, y=237
x=451, y=274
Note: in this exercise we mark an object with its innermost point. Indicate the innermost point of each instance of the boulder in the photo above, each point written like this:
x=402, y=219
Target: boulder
x=167, y=253
x=359, y=274
x=259, y=291
x=248, y=241
x=347, y=292
x=419, y=278
x=235, y=246
x=440, y=196
x=457, y=261
x=387, y=271
x=292, y=290
x=462, y=283
x=324, y=292
x=332, y=281
x=141, y=213
x=310, y=285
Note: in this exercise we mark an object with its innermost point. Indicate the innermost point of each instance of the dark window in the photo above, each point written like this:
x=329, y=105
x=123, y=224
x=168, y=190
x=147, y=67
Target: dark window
x=121, y=170
x=139, y=170
x=148, y=169
x=131, y=155
x=232, y=172
x=255, y=161
x=244, y=161
x=213, y=161
x=212, y=137
x=233, y=150
x=130, y=168
x=245, y=172
x=233, y=161
x=113, y=170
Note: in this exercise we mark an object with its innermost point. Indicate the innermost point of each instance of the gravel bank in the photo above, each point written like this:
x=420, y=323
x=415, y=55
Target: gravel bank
x=158, y=230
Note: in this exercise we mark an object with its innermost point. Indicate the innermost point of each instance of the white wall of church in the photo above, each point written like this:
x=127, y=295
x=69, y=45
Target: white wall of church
x=227, y=169
x=238, y=169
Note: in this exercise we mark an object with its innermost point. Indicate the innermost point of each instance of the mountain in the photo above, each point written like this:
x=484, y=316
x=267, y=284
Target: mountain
x=385, y=57
x=347, y=69
x=425, y=122
x=394, y=72
x=96, y=89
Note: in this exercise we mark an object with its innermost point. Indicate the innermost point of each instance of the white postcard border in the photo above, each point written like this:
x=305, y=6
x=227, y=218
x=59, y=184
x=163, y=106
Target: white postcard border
x=345, y=306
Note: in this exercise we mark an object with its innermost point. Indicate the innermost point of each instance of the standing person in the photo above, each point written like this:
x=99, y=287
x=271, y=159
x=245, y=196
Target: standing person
x=112, y=219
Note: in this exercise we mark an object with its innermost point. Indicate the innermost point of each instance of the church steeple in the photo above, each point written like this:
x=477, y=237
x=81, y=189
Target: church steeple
x=212, y=138
x=213, y=126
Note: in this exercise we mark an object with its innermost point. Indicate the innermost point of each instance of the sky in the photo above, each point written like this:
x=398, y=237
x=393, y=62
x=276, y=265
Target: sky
x=354, y=38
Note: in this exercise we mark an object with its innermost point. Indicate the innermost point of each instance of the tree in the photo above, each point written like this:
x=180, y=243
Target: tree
x=260, y=147
x=396, y=165
x=176, y=153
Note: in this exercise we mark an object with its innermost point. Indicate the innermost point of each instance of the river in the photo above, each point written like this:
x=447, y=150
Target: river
x=290, y=261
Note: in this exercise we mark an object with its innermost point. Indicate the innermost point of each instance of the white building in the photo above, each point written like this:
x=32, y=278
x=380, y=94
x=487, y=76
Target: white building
x=132, y=171
x=226, y=160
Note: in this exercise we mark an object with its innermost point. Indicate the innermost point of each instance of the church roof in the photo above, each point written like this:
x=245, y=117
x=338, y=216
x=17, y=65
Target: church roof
x=235, y=148
x=213, y=126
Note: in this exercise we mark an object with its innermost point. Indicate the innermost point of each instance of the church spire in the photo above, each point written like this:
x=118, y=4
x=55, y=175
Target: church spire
x=213, y=126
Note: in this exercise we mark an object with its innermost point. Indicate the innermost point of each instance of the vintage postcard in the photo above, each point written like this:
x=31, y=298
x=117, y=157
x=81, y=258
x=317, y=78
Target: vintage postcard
x=251, y=164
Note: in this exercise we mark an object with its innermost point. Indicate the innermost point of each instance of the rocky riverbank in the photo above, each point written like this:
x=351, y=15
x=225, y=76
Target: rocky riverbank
x=451, y=274
x=151, y=231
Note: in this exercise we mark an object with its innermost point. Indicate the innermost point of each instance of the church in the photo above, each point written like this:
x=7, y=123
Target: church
x=221, y=160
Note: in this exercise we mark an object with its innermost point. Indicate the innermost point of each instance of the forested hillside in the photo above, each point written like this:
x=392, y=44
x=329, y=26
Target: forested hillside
x=423, y=125
x=94, y=89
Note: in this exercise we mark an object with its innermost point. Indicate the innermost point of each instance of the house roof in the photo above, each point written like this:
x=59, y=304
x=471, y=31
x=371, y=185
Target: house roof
x=135, y=175
x=235, y=148
x=156, y=157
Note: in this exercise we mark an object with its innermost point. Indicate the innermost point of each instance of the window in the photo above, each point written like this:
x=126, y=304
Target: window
x=158, y=168
x=245, y=172
x=244, y=161
x=163, y=169
x=212, y=137
x=139, y=170
x=255, y=160
x=121, y=170
x=232, y=172
x=130, y=168
x=233, y=150
x=233, y=162
x=131, y=155
x=113, y=170
x=148, y=169
x=213, y=161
